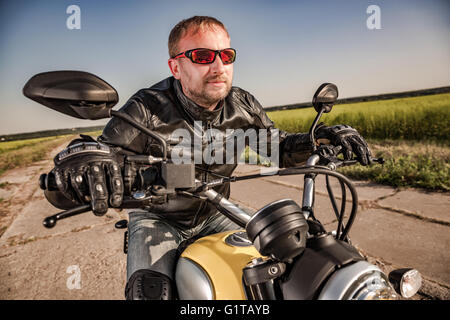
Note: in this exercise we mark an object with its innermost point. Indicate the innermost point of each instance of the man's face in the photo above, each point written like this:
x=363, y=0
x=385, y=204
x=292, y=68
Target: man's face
x=205, y=84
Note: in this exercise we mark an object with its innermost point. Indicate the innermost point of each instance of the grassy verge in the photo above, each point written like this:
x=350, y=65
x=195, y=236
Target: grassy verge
x=412, y=134
x=408, y=164
x=16, y=154
x=21, y=153
x=418, y=118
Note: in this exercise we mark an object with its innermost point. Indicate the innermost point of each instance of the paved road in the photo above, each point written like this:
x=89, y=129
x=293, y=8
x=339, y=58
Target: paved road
x=394, y=228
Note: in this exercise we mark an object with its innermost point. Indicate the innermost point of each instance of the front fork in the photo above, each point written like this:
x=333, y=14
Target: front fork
x=309, y=188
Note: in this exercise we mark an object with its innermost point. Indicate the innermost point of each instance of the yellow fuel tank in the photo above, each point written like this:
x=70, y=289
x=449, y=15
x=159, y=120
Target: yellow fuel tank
x=222, y=257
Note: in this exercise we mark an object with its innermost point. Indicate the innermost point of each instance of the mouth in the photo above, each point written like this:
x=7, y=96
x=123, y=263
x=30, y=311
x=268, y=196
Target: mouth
x=216, y=83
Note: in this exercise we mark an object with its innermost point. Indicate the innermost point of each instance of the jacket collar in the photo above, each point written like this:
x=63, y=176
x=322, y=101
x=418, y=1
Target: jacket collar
x=194, y=110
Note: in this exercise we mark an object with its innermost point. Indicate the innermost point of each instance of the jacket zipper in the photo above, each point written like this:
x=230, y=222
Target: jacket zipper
x=205, y=177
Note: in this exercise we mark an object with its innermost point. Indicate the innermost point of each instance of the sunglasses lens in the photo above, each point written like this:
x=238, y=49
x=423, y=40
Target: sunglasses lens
x=203, y=56
x=228, y=56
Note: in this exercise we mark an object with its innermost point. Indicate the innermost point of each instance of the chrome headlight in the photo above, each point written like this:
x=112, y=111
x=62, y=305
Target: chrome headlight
x=359, y=281
x=371, y=286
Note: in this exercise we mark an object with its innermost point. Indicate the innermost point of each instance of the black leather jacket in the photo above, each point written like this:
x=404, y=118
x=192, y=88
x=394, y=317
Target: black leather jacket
x=164, y=108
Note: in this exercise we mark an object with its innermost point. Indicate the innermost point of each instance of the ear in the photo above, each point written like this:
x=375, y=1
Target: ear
x=174, y=68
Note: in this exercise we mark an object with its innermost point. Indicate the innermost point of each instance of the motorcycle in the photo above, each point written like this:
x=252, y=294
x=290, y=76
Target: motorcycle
x=282, y=252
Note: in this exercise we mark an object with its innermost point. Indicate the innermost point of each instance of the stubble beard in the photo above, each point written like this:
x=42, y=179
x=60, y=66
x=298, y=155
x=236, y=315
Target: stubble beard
x=208, y=98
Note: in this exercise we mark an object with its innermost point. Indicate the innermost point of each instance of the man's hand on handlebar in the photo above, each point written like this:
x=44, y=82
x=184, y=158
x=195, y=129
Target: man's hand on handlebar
x=347, y=138
x=89, y=172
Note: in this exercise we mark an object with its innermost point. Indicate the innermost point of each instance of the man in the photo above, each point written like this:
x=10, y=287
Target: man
x=199, y=92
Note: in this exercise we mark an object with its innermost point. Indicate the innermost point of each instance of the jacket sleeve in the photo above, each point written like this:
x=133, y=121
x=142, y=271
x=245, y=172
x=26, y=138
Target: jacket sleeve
x=294, y=148
x=123, y=136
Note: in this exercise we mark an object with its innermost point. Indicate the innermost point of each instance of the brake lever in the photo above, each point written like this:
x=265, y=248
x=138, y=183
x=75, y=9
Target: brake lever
x=138, y=200
x=50, y=222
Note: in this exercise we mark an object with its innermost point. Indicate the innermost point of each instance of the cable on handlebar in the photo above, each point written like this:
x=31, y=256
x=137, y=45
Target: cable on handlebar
x=344, y=181
x=342, y=229
x=339, y=215
x=344, y=199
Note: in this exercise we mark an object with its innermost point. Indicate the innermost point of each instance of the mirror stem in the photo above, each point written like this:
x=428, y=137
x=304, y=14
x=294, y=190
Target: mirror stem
x=143, y=129
x=313, y=127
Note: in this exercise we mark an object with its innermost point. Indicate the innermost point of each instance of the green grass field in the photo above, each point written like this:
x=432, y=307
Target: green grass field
x=418, y=118
x=412, y=134
x=21, y=153
x=20, y=144
x=417, y=164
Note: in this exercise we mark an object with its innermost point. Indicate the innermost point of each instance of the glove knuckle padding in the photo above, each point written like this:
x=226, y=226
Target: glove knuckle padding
x=90, y=172
x=97, y=187
x=350, y=140
x=115, y=184
x=76, y=181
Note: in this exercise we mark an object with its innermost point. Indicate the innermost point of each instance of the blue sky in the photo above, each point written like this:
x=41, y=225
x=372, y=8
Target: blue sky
x=286, y=49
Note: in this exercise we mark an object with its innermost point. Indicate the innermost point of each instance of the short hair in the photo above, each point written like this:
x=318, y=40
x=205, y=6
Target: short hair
x=192, y=25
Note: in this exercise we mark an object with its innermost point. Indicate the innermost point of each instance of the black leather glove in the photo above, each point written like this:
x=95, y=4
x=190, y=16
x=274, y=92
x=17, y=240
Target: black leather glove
x=348, y=138
x=89, y=172
x=295, y=148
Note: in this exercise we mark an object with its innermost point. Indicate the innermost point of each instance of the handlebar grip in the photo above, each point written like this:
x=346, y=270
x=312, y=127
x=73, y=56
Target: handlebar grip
x=43, y=181
x=47, y=182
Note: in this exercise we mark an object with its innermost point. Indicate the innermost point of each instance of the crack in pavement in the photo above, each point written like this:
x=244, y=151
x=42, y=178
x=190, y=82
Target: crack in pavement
x=50, y=236
x=412, y=214
x=369, y=204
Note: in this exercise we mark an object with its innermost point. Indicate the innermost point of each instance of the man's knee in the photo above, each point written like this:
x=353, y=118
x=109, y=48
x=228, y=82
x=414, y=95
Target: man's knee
x=146, y=284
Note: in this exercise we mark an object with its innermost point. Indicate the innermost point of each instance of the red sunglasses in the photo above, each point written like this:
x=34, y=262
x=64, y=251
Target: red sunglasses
x=207, y=56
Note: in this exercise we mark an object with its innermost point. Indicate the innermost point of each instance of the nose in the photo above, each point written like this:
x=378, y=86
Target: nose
x=217, y=67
